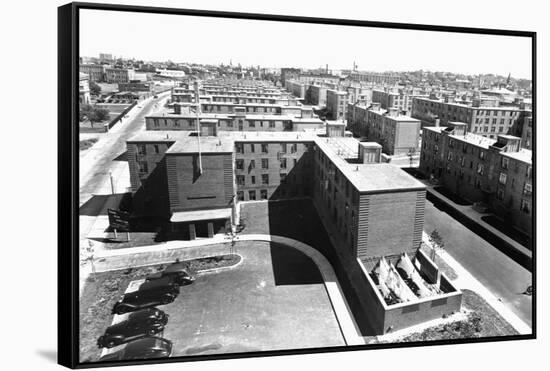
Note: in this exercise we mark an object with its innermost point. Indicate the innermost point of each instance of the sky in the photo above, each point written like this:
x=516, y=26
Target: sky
x=208, y=40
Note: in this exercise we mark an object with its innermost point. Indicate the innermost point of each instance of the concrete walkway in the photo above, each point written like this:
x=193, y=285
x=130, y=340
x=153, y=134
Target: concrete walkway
x=107, y=260
x=466, y=281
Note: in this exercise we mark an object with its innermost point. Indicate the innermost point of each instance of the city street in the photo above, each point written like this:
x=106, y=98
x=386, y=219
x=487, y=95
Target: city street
x=501, y=275
x=101, y=159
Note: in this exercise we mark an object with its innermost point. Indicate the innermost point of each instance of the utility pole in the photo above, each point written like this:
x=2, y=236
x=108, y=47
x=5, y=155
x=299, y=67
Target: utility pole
x=112, y=184
x=197, y=100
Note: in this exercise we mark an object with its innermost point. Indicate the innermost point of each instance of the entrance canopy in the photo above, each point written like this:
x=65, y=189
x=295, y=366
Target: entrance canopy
x=199, y=215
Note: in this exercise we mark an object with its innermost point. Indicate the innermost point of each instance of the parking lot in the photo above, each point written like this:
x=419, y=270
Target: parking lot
x=275, y=299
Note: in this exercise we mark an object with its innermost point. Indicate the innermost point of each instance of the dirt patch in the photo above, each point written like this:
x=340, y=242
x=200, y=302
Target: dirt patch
x=482, y=321
x=87, y=143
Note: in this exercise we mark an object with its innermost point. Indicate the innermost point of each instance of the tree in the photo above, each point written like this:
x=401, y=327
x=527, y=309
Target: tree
x=411, y=153
x=437, y=243
x=93, y=113
x=95, y=89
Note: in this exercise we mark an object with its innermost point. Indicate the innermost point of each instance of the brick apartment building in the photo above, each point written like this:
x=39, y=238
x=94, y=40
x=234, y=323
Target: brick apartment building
x=398, y=134
x=83, y=88
x=396, y=98
x=96, y=72
x=486, y=121
x=118, y=75
x=497, y=172
x=379, y=78
x=337, y=104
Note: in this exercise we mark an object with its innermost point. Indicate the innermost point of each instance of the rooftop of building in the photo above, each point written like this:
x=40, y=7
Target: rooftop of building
x=523, y=155
x=191, y=143
x=366, y=178
x=398, y=117
x=469, y=106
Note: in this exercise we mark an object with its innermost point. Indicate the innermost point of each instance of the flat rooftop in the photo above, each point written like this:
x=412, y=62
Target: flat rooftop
x=366, y=178
x=523, y=155
x=399, y=117
x=501, y=108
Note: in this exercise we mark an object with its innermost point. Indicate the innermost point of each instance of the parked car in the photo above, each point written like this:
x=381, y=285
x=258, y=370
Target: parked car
x=139, y=324
x=177, y=271
x=144, y=348
x=149, y=294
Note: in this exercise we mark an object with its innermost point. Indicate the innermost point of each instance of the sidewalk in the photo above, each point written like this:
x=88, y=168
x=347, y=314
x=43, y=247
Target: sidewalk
x=466, y=281
x=472, y=216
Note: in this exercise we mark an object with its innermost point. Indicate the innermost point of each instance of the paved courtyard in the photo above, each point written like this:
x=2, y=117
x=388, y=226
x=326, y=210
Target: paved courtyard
x=275, y=299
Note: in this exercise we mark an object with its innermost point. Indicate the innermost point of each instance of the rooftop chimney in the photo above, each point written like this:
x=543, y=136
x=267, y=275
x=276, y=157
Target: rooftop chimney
x=393, y=112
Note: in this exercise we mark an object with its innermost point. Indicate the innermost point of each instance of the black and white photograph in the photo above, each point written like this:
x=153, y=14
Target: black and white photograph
x=254, y=185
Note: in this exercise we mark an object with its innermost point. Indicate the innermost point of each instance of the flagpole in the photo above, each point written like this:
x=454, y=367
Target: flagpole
x=197, y=101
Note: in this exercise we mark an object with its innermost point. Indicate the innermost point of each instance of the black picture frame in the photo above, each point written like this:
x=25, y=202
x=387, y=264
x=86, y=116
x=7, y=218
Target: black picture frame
x=68, y=224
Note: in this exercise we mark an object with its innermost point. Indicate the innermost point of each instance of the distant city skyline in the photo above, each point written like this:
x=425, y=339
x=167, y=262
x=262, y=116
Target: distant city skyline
x=205, y=40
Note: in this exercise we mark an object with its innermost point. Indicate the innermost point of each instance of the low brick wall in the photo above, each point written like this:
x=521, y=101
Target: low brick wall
x=398, y=316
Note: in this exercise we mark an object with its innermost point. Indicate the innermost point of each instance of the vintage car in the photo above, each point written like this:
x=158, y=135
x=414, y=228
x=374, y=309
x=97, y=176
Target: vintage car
x=149, y=294
x=144, y=348
x=177, y=271
x=145, y=322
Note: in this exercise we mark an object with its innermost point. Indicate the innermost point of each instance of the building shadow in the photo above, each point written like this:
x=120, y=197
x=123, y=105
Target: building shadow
x=292, y=267
x=122, y=157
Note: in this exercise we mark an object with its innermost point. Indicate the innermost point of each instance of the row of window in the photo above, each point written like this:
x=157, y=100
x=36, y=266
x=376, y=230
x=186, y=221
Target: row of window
x=252, y=195
x=239, y=163
x=228, y=123
x=264, y=147
x=142, y=149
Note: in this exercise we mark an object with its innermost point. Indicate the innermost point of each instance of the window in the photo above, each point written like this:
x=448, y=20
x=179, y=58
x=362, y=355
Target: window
x=450, y=156
x=271, y=126
x=251, y=124
x=253, y=179
x=265, y=178
x=176, y=123
x=239, y=164
x=239, y=147
x=143, y=167
x=504, y=162
x=263, y=194
x=240, y=180
x=481, y=155
x=525, y=206
x=252, y=149
x=527, y=189
x=502, y=178
x=265, y=163
x=283, y=147
x=528, y=172
x=240, y=195
x=252, y=165
x=156, y=123
x=283, y=177
x=142, y=149
x=156, y=148
x=252, y=195
x=294, y=148
x=480, y=169
x=283, y=163
x=264, y=148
